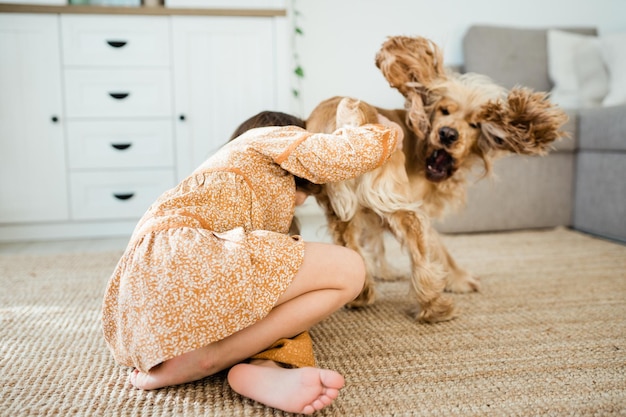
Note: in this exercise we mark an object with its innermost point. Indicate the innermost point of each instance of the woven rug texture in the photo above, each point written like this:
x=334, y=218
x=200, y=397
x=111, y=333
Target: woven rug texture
x=546, y=335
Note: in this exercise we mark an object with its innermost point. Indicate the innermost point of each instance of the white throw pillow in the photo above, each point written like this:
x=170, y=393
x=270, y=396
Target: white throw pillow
x=614, y=52
x=577, y=69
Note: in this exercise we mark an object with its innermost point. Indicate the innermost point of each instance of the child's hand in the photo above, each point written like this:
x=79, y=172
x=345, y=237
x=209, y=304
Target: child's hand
x=394, y=126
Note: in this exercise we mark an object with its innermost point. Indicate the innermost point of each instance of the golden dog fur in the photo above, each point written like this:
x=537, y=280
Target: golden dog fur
x=451, y=123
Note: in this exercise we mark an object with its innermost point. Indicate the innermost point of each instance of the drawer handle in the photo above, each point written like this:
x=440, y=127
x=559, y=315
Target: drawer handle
x=117, y=44
x=123, y=196
x=119, y=96
x=121, y=146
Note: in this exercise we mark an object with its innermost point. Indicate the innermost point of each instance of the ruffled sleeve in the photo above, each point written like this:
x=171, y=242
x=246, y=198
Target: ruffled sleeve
x=323, y=157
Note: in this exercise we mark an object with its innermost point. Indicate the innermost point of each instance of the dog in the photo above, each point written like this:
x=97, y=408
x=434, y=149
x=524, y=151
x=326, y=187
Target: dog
x=452, y=123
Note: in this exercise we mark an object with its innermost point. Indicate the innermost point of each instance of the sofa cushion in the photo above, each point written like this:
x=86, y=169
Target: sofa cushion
x=615, y=59
x=525, y=192
x=576, y=68
x=511, y=56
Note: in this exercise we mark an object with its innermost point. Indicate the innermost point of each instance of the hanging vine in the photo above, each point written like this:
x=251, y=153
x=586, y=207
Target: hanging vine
x=298, y=71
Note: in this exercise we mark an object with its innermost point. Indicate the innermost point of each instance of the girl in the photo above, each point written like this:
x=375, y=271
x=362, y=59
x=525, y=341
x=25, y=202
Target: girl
x=210, y=276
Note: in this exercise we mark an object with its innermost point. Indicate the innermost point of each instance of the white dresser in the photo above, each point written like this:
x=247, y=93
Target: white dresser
x=109, y=111
x=118, y=91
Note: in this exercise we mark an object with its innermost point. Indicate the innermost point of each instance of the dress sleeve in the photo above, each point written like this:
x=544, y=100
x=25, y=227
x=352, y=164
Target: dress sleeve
x=323, y=157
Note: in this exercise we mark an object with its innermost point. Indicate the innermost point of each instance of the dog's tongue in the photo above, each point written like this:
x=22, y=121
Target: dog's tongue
x=438, y=166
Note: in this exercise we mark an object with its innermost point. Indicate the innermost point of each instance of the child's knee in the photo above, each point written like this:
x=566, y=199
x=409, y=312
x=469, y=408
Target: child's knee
x=355, y=272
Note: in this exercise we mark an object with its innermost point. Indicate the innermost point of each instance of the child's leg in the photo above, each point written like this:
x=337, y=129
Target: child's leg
x=330, y=276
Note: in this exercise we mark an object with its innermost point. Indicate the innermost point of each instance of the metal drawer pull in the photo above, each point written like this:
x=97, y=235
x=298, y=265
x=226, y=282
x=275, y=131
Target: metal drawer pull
x=117, y=44
x=119, y=96
x=123, y=196
x=121, y=146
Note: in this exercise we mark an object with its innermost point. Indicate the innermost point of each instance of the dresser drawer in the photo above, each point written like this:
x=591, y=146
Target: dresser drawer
x=118, y=93
x=115, y=40
x=116, y=195
x=120, y=144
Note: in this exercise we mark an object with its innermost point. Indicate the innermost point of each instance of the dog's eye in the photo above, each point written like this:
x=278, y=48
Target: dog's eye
x=498, y=140
x=474, y=125
x=444, y=111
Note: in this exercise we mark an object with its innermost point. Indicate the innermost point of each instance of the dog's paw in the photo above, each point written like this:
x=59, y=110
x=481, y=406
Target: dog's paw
x=348, y=113
x=439, y=309
x=353, y=112
x=462, y=282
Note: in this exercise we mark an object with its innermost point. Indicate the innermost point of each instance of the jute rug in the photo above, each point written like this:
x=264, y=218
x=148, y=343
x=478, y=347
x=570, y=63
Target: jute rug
x=545, y=336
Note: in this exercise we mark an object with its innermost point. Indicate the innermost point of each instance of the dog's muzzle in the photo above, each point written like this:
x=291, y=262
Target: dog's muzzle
x=440, y=164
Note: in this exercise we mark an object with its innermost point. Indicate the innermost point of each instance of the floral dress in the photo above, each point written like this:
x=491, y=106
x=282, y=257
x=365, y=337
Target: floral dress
x=212, y=255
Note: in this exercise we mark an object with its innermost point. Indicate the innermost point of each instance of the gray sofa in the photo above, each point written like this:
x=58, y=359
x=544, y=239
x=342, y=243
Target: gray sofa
x=581, y=184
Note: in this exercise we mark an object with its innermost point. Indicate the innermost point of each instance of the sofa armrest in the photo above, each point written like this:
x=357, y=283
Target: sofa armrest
x=602, y=128
x=600, y=172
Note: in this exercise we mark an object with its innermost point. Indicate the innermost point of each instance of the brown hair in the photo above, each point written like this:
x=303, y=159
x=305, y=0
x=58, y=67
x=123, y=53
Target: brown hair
x=268, y=118
x=276, y=118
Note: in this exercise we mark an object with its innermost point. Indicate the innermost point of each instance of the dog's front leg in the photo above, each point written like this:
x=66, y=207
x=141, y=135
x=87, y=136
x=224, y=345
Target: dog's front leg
x=352, y=239
x=372, y=243
x=374, y=249
x=458, y=280
x=427, y=274
x=348, y=234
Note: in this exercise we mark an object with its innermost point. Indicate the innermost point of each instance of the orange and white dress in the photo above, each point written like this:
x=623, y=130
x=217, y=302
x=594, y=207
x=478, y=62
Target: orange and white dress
x=212, y=255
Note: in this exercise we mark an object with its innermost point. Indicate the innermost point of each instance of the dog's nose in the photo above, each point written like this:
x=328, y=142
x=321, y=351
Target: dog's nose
x=448, y=135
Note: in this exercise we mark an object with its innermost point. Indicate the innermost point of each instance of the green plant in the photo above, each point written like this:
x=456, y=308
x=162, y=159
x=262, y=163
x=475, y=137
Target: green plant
x=298, y=70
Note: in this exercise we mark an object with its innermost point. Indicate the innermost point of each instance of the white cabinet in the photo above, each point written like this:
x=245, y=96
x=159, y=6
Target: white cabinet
x=225, y=70
x=118, y=93
x=100, y=114
x=33, y=184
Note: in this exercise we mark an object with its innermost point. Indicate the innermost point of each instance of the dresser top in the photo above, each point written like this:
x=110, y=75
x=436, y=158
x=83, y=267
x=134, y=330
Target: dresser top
x=148, y=11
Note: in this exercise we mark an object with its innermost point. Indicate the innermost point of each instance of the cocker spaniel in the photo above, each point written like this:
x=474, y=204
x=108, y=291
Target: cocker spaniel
x=451, y=123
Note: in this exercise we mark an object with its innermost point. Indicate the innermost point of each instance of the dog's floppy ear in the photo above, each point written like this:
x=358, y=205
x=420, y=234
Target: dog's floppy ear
x=526, y=123
x=411, y=65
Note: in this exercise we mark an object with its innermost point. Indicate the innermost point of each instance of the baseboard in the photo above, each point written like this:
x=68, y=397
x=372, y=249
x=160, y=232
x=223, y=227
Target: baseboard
x=59, y=231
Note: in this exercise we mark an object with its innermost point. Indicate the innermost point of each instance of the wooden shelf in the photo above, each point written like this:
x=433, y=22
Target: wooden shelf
x=148, y=11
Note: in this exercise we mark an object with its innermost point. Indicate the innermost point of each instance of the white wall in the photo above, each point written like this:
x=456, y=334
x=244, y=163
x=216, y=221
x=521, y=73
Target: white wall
x=341, y=37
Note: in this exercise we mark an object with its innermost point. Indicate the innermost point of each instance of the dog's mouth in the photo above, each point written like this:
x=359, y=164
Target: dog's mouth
x=439, y=166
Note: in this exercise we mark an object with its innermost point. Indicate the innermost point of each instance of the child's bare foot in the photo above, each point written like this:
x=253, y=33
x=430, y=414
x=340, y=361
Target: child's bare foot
x=302, y=390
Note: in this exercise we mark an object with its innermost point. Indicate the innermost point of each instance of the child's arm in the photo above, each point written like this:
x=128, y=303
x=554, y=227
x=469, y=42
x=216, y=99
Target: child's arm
x=344, y=154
